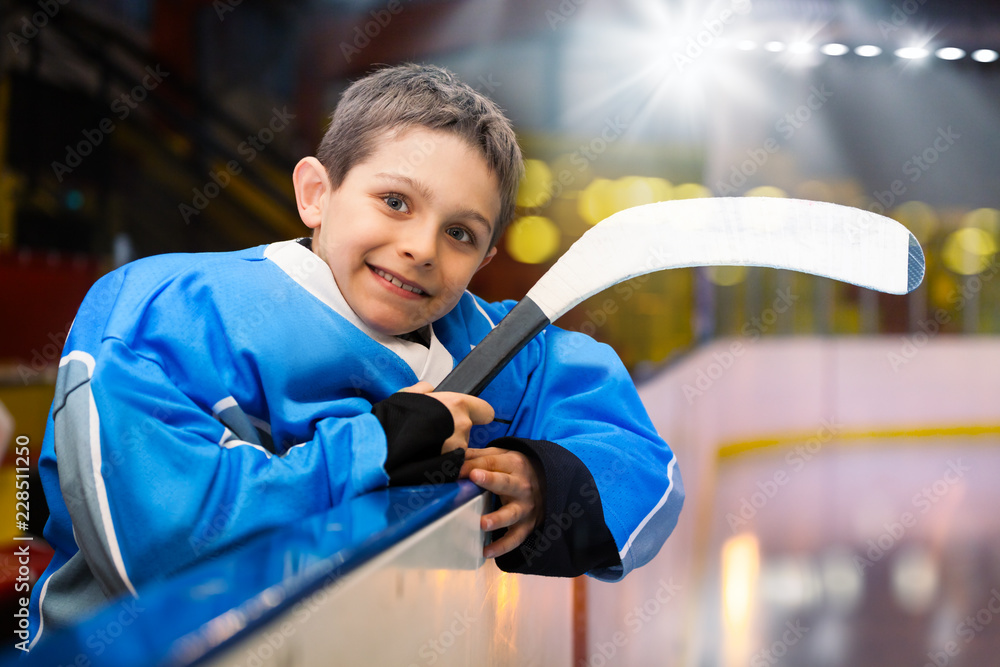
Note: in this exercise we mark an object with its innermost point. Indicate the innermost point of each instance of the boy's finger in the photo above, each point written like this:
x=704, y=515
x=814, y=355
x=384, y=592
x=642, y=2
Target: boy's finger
x=487, y=462
x=494, y=459
x=481, y=411
x=504, y=517
x=510, y=541
x=478, y=410
x=500, y=483
x=419, y=388
x=482, y=451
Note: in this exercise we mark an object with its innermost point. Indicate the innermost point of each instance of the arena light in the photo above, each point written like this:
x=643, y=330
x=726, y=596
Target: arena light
x=535, y=188
x=868, y=50
x=800, y=47
x=774, y=47
x=746, y=45
x=912, y=53
x=533, y=239
x=968, y=251
x=985, y=55
x=834, y=49
x=950, y=53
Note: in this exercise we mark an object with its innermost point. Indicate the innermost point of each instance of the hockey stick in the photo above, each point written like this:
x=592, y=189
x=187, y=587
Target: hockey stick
x=838, y=242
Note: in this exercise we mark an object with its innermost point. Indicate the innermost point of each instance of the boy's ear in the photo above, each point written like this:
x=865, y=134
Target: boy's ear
x=312, y=184
x=488, y=258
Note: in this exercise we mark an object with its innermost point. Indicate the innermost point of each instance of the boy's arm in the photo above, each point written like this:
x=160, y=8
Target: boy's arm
x=612, y=492
x=152, y=480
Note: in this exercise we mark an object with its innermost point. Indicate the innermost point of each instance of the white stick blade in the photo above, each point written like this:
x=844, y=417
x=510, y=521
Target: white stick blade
x=839, y=242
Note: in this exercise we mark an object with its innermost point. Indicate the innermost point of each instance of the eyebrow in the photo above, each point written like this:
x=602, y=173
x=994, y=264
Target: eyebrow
x=465, y=213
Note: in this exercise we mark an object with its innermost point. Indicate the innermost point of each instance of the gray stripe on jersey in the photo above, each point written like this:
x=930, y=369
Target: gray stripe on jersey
x=237, y=421
x=71, y=591
x=71, y=419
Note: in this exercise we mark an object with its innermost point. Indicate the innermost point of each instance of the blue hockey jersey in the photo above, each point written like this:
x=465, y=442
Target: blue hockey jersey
x=204, y=398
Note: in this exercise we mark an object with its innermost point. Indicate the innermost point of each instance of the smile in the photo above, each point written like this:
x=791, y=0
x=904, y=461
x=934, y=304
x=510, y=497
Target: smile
x=388, y=277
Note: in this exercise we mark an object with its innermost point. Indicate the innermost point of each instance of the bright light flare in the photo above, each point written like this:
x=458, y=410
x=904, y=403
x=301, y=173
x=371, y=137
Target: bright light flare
x=740, y=571
x=774, y=47
x=800, y=47
x=985, y=55
x=740, y=575
x=912, y=53
x=868, y=50
x=834, y=49
x=950, y=53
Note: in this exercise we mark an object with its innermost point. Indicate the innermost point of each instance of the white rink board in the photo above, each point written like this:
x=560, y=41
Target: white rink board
x=429, y=600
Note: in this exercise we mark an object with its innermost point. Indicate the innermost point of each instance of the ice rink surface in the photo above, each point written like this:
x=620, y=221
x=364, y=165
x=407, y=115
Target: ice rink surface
x=859, y=552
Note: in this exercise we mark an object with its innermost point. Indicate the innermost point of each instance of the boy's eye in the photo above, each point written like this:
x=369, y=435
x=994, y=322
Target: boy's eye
x=396, y=203
x=460, y=234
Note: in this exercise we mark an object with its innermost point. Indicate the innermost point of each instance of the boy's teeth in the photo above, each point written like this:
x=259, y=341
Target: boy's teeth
x=397, y=282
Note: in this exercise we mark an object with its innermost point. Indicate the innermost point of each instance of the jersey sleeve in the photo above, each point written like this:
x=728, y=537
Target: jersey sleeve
x=415, y=427
x=154, y=480
x=613, y=491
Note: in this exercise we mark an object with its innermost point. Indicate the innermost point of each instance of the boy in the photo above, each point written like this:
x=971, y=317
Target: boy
x=223, y=394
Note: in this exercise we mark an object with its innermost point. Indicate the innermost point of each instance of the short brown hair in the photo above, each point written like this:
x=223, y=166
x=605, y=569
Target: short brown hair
x=394, y=98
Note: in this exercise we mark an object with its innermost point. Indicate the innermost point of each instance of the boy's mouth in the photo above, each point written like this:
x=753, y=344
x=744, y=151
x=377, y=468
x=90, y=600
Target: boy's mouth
x=388, y=277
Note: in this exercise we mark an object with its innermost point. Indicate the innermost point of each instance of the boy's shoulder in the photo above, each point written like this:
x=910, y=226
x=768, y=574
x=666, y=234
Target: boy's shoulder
x=183, y=262
x=131, y=286
x=152, y=273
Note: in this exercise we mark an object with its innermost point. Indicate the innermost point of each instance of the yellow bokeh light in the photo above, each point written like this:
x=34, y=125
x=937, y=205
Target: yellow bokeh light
x=632, y=191
x=662, y=189
x=943, y=287
x=603, y=197
x=968, y=251
x=535, y=188
x=976, y=241
x=766, y=191
x=815, y=191
x=986, y=219
x=691, y=191
x=597, y=201
x=727, y=276
x=918, y=217
x=532, y=239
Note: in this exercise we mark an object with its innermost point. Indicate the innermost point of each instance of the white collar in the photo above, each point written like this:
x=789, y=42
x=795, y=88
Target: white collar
x=313, y=275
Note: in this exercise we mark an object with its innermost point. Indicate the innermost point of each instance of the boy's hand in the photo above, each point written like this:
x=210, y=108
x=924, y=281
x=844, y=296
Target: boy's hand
x=466, y=411
x=511, y=476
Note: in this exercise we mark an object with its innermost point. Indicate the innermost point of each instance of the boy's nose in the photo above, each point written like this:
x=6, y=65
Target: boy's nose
x=419, y=246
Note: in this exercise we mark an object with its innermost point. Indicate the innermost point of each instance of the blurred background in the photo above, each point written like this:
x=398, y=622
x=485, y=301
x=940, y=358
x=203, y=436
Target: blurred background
x=132, y=128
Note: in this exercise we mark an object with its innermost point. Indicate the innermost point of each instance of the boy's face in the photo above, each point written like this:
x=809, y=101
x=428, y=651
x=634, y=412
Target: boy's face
x=407, y=228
